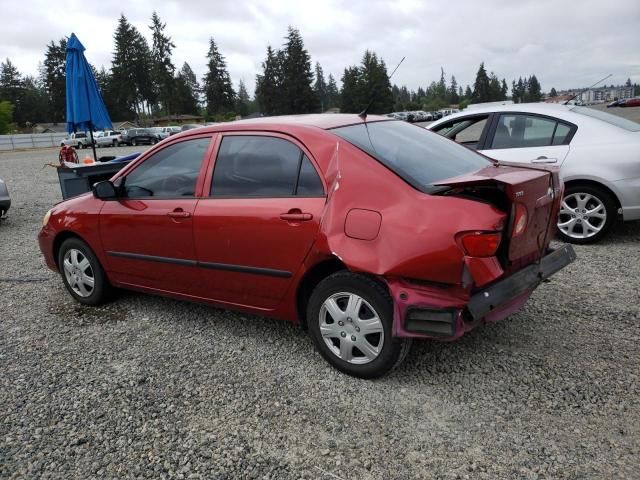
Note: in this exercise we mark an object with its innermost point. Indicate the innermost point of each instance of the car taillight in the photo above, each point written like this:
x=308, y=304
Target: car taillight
x=519, y=220
x=480, y=244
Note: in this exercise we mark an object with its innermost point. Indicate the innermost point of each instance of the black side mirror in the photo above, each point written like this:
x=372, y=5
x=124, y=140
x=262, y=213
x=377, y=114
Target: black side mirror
x=104, y=190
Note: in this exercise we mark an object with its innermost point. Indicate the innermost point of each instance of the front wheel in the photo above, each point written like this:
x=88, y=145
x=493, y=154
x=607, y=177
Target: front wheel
x=350, y=320
x=586, y=215
x=82, y=273
x=134, y=143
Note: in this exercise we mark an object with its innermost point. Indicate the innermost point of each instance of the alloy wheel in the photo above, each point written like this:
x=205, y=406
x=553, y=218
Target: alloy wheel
x=582, y=215
x=351, y=328
x=78, y=272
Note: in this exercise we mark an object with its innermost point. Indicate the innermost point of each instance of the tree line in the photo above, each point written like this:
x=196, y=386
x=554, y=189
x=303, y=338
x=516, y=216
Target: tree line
x=143, y=82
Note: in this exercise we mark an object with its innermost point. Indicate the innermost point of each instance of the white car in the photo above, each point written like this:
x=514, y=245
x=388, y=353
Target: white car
x=599, y=156
x=77, y=140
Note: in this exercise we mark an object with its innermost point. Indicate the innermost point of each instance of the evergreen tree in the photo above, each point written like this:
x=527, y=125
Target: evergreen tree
x=481, y=87
x=504, y=90
x=218, y=90
x=269, y=84
x=454, y=97
x=163, y=69
x=495, y=89
x=351, y=94
x=52, y=77
x=518, y=91
x=628, y=82
x=375, y=87
x=243, y=100
x=320, y=88
x=553, y=93
x=468, y=94
x=33, y=103
x=11, y=87
x=297, y=78
x=333, y=94
x=186, y=100
x=534, y=90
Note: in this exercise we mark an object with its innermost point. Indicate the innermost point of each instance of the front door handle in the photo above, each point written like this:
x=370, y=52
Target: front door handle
x=543, y=159
x=178, y=213
x=296, y=215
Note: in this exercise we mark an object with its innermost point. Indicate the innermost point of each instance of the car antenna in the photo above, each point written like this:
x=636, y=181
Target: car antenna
x=363, y=114
x=588, y=88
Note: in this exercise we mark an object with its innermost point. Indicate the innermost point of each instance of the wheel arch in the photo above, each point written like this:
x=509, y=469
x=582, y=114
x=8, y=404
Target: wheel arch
x=59, y=239
x=310, y=280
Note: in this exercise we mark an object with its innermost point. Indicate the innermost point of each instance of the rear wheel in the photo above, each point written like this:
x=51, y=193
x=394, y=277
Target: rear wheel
x=80, y=145
x=134, y=143
x=82, y=273
x=350, y=320
x=114, y=143
x=586, y=215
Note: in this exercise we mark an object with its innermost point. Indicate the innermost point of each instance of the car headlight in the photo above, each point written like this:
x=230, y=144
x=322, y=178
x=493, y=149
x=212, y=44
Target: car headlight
x=46, y=218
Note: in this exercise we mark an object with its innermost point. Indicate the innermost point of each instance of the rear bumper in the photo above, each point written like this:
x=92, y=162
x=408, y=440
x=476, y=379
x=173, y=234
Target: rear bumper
x=447, y=313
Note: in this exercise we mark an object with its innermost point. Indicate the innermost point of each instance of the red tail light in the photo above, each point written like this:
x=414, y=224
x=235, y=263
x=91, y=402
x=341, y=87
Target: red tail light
x=520, y=220
x=480, y=244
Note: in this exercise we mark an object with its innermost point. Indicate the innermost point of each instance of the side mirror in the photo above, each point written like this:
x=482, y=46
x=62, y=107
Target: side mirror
x=104, y=190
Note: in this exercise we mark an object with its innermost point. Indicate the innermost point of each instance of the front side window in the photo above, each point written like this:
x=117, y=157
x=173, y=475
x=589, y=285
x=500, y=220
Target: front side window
x=466, y=131
x=521, y=131
x=171, y=172
x=262, y=166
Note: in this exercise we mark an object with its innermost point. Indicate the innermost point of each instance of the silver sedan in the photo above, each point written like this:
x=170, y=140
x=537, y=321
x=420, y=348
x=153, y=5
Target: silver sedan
x=599, y=156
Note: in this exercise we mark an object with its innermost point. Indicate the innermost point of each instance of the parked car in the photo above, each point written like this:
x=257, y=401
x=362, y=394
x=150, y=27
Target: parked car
x=108, y=138
x=189, y=126
x=165, y=132
x=599, y=154
x=138, y=136
x=5, y=199
x=630, y=102
x=77, y=140
x=369, y=233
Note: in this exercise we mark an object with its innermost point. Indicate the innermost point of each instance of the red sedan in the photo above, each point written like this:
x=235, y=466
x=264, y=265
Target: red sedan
x=369, y=233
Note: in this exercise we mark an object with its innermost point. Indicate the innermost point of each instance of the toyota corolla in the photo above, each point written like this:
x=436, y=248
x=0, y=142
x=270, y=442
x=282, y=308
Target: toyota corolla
x=369, y=232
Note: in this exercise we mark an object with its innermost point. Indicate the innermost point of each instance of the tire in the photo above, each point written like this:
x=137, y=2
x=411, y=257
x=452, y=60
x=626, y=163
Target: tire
x=344, y=336
x=134, y=143
x=82, y=274
x=114, y=144
x=587, y=213
x=80, y=146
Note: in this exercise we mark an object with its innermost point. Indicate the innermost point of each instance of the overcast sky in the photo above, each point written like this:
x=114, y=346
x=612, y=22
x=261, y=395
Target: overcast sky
x=565, y=43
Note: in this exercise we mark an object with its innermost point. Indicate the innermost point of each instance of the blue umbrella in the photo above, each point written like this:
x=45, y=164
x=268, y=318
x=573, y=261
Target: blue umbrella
x=85, y=107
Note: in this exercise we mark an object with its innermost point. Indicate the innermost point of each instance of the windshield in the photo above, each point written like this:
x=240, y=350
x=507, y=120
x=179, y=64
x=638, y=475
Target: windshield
x=418, y=156
x=609, y=118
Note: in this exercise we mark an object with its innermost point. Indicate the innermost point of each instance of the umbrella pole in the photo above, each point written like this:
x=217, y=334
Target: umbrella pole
x=93, y=145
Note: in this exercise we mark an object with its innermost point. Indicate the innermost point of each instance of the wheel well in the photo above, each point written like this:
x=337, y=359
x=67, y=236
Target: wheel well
x=593, y=183
x=313, y=277
x=57, y=242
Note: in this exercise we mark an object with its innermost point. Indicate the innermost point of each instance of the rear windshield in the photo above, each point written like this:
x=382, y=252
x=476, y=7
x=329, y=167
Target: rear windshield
x=418, y=156
x=609, y=118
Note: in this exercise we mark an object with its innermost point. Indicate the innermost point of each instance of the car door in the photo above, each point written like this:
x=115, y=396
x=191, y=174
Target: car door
x=529, y=138
x=147, y=233
x=260, y=219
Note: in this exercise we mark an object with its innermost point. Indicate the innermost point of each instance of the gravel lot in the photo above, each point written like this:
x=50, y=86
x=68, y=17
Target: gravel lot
x=148, y=387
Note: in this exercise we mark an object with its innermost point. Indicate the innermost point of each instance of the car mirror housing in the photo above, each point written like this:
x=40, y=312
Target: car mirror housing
x=104, y=190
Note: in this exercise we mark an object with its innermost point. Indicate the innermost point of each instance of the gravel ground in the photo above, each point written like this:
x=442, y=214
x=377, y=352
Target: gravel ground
x=148, y=387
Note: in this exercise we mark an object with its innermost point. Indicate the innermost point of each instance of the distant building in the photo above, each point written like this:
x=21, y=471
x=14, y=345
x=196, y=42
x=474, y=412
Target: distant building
x=49, y=128
x=600, y=95
x=176, y=120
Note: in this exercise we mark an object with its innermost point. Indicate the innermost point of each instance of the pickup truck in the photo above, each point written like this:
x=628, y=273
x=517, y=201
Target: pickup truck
x=109, y=138
x=77, y=140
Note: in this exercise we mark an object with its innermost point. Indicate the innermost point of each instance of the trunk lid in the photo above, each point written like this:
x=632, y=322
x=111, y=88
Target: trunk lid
x=509, y=188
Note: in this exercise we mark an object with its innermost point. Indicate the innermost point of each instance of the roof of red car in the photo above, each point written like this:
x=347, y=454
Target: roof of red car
x=320, y=120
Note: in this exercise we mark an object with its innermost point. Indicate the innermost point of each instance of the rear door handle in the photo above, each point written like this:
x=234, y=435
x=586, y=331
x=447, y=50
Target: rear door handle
x=296, y=216
x=178, y=213
x=543, y=159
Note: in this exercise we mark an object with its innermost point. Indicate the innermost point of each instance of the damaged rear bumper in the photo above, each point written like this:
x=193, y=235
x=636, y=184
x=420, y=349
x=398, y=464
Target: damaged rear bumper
x=448, y=312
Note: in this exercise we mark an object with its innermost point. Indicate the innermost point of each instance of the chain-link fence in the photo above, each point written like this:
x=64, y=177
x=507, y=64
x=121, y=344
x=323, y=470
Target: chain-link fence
x=30, y=140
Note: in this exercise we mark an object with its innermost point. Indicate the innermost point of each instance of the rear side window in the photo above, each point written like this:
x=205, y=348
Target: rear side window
x=521, y=131
x=262, y=166
x=416, y=155
x=171, y=172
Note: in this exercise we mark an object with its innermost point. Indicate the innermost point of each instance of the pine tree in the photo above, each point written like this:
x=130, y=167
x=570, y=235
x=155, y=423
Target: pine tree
x=504, y=90
x=218, y=90
x=52, y=77
x=534, y=90
x=163, y=69
x=468, y=94
x=186, y=100
x=10, y=83
x=243, y=101
x=481, y=87
x=269, y=84
x=351, y=94
x=553, y=92
x=320, y=88
x=454, y=97
x=33, y=103
x=495, y=89
x=297, y=76
x=333, y=94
